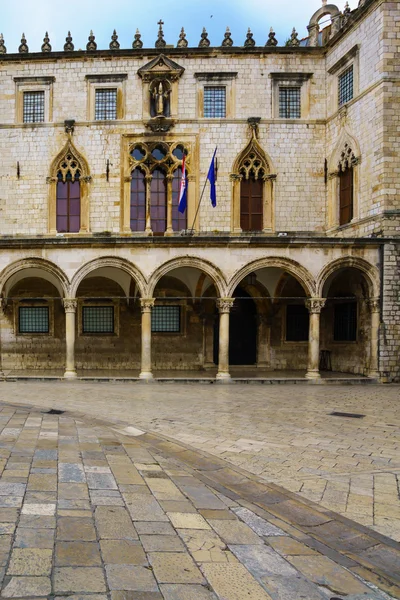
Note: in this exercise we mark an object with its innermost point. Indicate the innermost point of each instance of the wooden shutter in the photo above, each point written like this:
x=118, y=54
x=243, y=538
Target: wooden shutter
x=346, y=196
x=251, y=205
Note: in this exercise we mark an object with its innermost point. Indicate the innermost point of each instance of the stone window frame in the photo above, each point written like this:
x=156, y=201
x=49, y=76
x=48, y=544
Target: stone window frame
x=183, y=317
x=34, y=84
x=350, y=59
x=115, y=303
x=290, y=80
x=218, y=79
x=106, y=81
x=26, y=302
x=350, y=150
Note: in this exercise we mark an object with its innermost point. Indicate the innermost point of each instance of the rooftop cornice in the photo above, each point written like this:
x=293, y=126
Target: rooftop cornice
x=356, y=16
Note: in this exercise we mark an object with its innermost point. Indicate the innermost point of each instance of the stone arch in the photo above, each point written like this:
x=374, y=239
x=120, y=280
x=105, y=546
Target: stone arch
x=69, y=159
x=253, y=160
x=188, y=261
x=313, y=27
x=109, y=262
x=37, y=267
x=299, y=272
x=346, y=140
x=370, y=273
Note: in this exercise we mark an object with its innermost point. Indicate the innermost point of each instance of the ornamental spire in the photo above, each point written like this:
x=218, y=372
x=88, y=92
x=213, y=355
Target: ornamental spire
x=294, y=41
x=204, y=41
x=227, y=41
x=249, y=42
x=272, y=41
x=160, y=42
x=114, y=44
x=68, y=46
x=137, y=42
x=23, y=48
x=3, y=49
x=46, y=46
x=91, y=45
x=182, y=42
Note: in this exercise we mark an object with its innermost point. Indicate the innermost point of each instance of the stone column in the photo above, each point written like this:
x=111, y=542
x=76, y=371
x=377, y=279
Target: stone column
x=169, y=229
x=314, y=305
x=374, y=305
x=3, y=309
x=146, y=306
x=224, y=306
x=70, y=306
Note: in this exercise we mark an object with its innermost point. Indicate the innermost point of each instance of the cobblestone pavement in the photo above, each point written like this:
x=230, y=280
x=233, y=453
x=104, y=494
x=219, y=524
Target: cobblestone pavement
x=112, y=513
x=284, y=434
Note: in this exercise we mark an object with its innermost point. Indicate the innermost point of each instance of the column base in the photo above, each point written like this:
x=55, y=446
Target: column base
x=70, y=375
x=146, y=375
x=374, y=374
x=223, y=377
x=313, y=375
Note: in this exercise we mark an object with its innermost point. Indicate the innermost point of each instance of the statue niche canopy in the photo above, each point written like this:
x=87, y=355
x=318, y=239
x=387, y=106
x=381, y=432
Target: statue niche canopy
x=160, y=92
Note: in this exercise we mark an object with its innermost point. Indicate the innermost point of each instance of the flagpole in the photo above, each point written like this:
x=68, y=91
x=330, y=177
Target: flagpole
x=191, y=230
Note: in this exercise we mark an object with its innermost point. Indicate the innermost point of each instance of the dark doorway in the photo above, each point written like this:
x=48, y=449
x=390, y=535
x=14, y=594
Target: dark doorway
x=242, y=331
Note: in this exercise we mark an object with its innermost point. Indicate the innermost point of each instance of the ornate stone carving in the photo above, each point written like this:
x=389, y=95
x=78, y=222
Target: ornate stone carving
x=253, y=124
x=70, y=161
x=252, y=161
x=51, y=179
x=46, y=46
x=23, y=48
x=146, y=304
x=3, y=49
x=114, y=44
x=236, y=177
x=162, y=68
x=272, y=41
x=249, y=42
x=91, y=45
x=70, y=305
x=68, y=46
x=374, y=304
x=160, y=124
x=204, y=41
x=182, y=42
x=141, y=156
x=69, y=126
x=227, y=41
x=347, y=159
x=224, y=305
x=315, y=305
x=160, y=42
x=346, y=15
x=294, y=40
x=159, y=98
x=137, y=42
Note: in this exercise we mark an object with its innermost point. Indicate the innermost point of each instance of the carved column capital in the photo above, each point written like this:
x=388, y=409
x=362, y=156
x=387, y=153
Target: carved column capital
x=236, y=177
x=270, y=177
x=70, y=305
x=51, y=179
x=315, y=305
x=374, y=304
x=224, y=305
x=146, y=304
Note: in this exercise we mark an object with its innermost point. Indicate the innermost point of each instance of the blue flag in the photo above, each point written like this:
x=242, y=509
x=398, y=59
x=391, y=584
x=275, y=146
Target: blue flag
x=211, y=179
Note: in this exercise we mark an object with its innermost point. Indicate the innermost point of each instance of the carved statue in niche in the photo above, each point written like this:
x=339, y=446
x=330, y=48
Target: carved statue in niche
x=159, y=99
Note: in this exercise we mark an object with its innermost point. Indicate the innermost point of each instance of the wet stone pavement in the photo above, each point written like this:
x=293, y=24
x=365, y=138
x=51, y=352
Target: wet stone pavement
x=96, y=510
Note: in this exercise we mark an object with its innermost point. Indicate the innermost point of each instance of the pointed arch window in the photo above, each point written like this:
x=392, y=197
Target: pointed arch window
x=251, y=204
x=138, y=201
x=68, y=203
x=179, y=220
x=158, y=202
x=346, y=185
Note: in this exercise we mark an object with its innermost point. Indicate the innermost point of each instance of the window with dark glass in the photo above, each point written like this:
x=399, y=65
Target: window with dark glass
x=251, y=204
x=166, y=319
x=214, y=102
x=33, y=319
x=346, y=86
x=297, y=323
x=106, y=104
x=346, y=196
x=345, y=322
x=68, y=204
x=289, y=103
x=179, y=220
x=138, y=201
x=33, y=107
x=97, y=319
x=158, y=202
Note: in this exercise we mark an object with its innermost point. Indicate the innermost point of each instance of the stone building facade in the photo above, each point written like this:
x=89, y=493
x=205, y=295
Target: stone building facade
x=297, y=266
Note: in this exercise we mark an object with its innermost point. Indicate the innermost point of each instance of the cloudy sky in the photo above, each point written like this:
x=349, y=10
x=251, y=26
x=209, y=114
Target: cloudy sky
x=34, y=17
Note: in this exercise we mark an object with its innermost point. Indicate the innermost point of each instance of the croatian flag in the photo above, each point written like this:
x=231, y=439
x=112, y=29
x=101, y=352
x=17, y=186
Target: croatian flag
x=183, y=188
x=211, y=179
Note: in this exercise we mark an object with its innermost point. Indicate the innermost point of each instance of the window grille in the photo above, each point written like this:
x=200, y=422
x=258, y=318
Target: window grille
x=289, y=103
x=97, y=319
x=106, y=105
x=166, y=319
x=33, y=107
x=346, y=86
x=215, y=102
x=297, y=323
x=345, y=322
x=33, y=319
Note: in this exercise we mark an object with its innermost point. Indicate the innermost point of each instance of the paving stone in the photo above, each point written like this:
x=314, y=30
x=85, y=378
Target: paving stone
x=298, y=514
x=7, y=528
x=34, y=538
x=45, y=510
x=72, y=529
x=206, y=546
x=202, y=497
x=262, y=560
x=123, y=552
x=127, y=475
x=130, y=578
x=119, y=595
x=186, y=592
x=27, y=586
x=73, y=491
x=181, y=506
x=11, y=501
x=287, y=546
x=225, y=515
x=162, y=543
x=235, y=532
x=174, y=567
x=82, y=597
x=233, y=581
x=290, y=588
x=188, y=521
x=33, y=497
x=74, y=504
x=9, y=515
x=12, y=489
x=37, y=522
x=114, y=523
x=79, y=579
x=71, y=473
x=386, y=559
x=257, y=524
x=154, y=528
x=74, y=513
x=30, y=561
x=77, y=554
x=101, y=481
x=150, y=510
x=164, y=489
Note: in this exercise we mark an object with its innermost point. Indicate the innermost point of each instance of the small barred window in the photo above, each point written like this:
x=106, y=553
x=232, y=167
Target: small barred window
x=215, y=102
x=166, y=319
x=33, y=107
x=106, y=105
x=346, y=86
x=97, y=319
x=297, y=323
x=33, y=319
x=289, y=103
x=345, y=322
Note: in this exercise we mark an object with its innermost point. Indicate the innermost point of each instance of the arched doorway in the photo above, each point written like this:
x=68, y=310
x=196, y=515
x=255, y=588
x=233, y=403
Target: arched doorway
x=242, y=330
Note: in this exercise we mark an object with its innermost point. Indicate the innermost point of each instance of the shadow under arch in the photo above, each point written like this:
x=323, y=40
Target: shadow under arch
x=370, y=273
x=109, y=262
x=34, y=267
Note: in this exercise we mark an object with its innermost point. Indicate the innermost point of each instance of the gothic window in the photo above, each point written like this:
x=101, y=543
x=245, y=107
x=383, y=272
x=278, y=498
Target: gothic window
x=158, y=202
x=346, y=185
x=251, y=204
x=179, y=220
x=345, y=322
x=106, y=104
x=214, y=102
x=68, y=204
x=138, y=201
